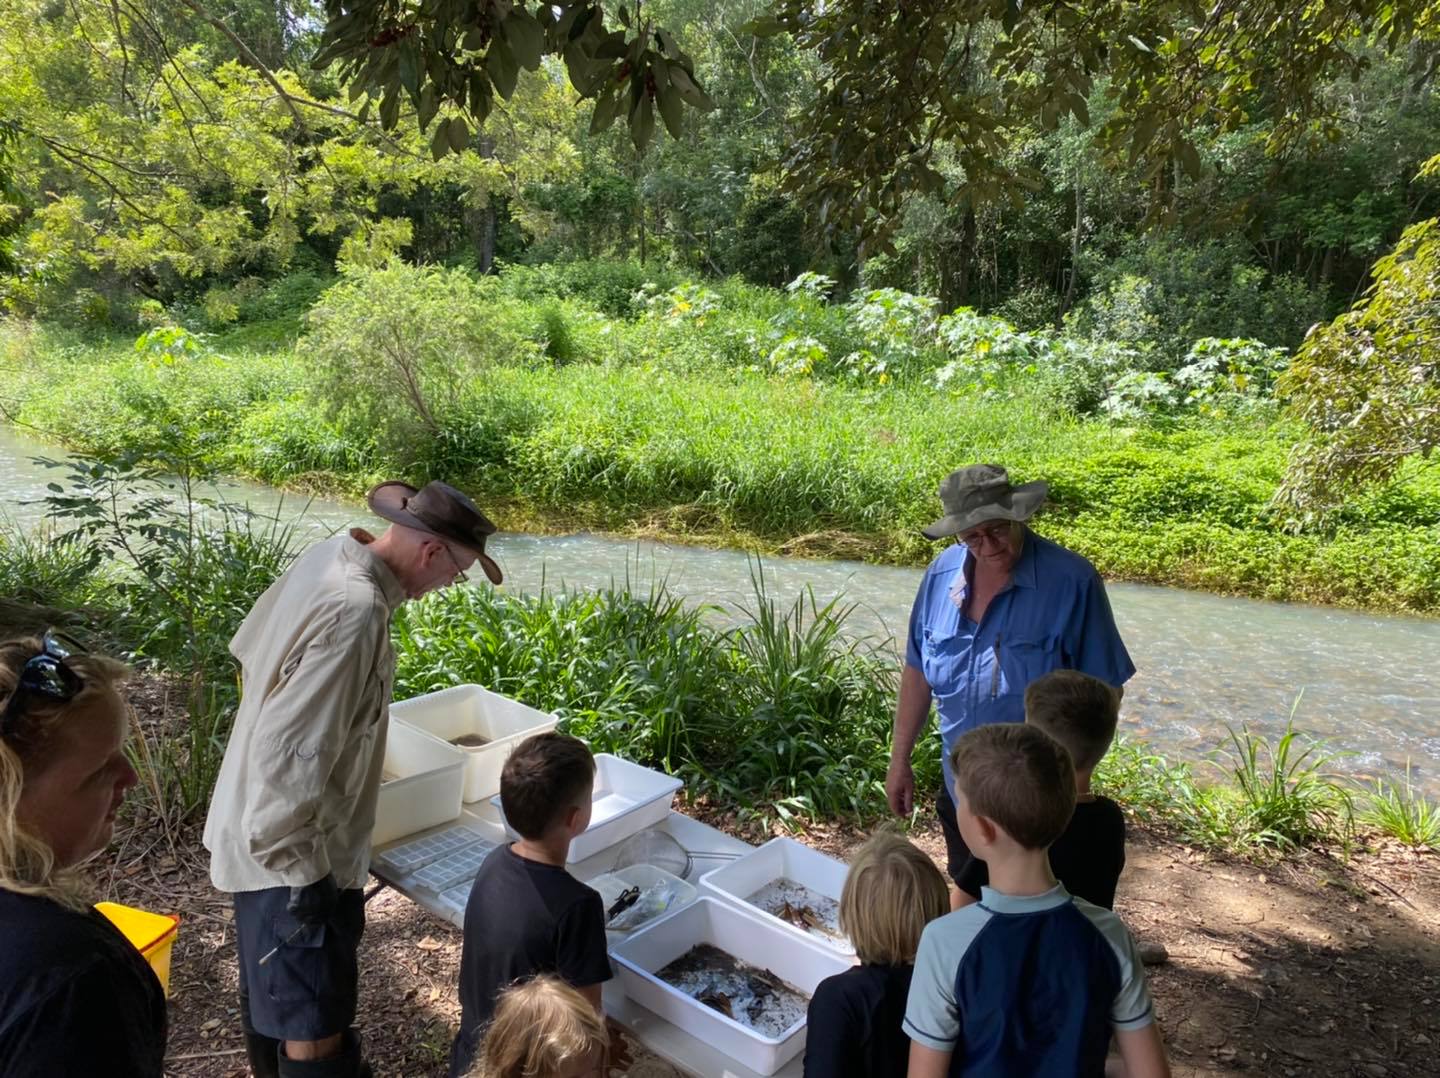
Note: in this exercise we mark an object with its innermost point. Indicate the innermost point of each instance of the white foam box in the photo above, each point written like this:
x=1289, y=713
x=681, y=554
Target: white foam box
x=472, y=711
x=795, y=960
x=426, y=780
x=628, y=798
x=780, y=857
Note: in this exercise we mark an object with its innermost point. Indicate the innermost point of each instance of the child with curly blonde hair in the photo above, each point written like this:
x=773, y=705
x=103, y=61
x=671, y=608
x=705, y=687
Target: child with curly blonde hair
x=543, y=1028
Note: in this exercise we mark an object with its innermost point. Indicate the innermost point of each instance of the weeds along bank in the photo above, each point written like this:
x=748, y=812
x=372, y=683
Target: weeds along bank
x=740, y=414
x=774, y=713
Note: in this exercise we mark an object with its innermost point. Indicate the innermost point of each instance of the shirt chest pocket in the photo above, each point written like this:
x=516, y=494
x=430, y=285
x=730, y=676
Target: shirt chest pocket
x=1015, y=661
x=945, y=658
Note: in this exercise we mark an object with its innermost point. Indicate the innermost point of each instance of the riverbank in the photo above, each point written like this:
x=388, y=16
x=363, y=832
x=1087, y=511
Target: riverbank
x=733, y=456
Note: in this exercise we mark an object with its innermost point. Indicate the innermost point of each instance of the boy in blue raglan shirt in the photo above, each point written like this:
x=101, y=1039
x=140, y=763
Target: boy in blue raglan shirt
x=1029, y=980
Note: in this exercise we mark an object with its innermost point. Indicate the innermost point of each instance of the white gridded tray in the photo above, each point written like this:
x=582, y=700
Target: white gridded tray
x=453, y=868
x=458, y=897
x=412, y=856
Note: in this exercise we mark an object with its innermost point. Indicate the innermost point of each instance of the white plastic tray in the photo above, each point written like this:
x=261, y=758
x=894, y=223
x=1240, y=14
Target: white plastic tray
x=793, y=959
x=780, y=857
x=628, y=798
x=469, y=711
x=426, y=790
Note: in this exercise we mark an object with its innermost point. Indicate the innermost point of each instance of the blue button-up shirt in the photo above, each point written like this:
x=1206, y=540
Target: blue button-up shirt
x=1052, y=615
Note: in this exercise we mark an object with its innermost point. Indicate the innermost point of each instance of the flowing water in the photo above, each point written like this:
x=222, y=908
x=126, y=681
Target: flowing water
x=1363, y=681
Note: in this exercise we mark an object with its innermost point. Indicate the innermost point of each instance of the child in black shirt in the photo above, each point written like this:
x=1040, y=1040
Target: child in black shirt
x=853, y=1027
x=1081, y=713
x=526, y=914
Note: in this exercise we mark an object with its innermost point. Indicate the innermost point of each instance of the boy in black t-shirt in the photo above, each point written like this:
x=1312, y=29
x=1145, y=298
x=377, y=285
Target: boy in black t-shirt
x=526, y=914
x=1081, y=713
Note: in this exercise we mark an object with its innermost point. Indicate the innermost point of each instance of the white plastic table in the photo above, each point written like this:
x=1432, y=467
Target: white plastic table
x=666, y=1040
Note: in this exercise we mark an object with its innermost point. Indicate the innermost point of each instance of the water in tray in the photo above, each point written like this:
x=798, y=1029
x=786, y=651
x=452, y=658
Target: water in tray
x=798, y=905
x=755, y=998
x=470, y=741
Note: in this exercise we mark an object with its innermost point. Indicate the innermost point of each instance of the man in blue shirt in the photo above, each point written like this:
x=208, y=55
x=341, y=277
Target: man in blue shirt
x=994, y=612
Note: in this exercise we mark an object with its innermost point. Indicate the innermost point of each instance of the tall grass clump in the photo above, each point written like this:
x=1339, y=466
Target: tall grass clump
x=1282, y=796
x=775, y=714
x=1402, y=812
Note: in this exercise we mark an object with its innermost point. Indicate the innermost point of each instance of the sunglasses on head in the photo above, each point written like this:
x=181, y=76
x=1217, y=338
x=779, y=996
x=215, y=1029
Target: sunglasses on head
x=45, y=675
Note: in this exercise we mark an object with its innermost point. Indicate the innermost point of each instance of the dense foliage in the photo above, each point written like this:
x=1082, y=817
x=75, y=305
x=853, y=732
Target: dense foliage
x=724, y=412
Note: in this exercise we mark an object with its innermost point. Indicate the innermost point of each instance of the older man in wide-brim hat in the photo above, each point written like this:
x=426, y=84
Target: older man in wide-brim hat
x=290, y=820
x=996, y=610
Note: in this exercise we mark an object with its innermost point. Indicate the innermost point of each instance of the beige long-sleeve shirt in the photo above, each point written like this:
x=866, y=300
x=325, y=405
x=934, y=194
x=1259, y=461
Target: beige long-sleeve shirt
x=297, y=790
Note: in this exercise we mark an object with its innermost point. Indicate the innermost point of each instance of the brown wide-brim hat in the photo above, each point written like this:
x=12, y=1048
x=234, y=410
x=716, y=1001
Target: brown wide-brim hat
x=442, y=511
x=982, y=492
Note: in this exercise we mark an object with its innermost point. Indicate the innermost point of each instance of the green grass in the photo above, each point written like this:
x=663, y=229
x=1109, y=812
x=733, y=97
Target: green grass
x=1402, y=812
x=673, y=428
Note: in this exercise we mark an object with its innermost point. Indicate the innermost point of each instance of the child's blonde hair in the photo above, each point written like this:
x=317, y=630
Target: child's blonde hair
x=892, y=892
x=542, y=1028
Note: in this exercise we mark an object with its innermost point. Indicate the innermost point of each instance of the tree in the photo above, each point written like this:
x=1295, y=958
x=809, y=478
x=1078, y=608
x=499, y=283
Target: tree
x=466, y=53
x=905, y=78
x=1368, y=383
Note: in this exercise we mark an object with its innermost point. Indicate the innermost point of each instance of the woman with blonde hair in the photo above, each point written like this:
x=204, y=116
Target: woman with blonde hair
x=891, y=893
x=543, y=1028
x=75, y=998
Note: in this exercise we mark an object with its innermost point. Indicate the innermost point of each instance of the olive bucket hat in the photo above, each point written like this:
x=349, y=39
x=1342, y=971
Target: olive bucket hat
x=982, y=492
x=442, y=511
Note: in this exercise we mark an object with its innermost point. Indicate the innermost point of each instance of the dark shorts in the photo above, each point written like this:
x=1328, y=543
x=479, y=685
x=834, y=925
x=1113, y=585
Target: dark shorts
x=306, y=990
x=957, y=854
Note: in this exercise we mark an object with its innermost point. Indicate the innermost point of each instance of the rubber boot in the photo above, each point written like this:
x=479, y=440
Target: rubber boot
x=263, y=1052
x=347, y=1064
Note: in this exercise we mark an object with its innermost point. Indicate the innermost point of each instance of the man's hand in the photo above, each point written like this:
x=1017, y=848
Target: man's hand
x=314, y=903
x=900, y=786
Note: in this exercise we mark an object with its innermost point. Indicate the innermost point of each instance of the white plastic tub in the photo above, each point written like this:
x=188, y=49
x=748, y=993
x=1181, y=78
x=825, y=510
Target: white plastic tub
x=468, y=711
x=781, y=858
x=421, y=787
x=628, y=798
x=794, y=960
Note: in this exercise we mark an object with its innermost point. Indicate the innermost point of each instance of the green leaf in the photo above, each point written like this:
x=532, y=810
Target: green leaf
x=503, y=70
x=410, y=69
x=612, y=48
x=667, y=44
x=390, y=108
x=526, y=38
x=689, y=90
x=440, y=142
x=668, y=98
x=459, y=134
x=642, y=124
x=762, y=26
x=606, y=108
x=428, y=106
x=1081, y=111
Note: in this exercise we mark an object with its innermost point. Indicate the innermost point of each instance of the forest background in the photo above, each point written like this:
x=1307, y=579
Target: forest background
x=211, y=249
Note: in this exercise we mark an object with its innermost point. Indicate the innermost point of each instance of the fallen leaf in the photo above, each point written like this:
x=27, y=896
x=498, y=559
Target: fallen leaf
x=429, y=943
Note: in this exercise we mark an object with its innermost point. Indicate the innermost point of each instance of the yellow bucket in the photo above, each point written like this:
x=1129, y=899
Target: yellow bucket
x=153, y=935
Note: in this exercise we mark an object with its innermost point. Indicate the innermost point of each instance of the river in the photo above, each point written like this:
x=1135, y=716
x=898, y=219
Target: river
x=1364, y=682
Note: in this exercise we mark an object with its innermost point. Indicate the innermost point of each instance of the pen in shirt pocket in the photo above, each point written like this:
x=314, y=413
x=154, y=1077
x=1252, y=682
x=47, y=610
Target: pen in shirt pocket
x=995, y=670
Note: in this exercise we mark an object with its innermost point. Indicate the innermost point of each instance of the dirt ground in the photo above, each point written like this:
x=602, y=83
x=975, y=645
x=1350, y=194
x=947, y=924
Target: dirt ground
x=1314, y=967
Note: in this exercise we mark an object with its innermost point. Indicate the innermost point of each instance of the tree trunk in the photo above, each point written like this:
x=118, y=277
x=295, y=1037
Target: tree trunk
x=483, y=220
x=1069, y=298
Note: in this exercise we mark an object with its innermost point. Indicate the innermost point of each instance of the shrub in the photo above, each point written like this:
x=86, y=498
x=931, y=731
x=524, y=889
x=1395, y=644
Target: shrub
x=394, y=347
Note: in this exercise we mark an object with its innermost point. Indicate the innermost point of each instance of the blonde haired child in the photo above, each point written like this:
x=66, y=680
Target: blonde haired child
x=854, y=1025
x=543, y=1028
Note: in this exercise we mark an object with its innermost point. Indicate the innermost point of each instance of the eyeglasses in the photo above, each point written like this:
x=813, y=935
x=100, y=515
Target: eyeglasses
x=460, y=577
x=975, y=538
x=45, y=674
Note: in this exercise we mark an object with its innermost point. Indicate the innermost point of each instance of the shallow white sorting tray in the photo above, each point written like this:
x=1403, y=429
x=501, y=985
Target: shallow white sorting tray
x=793, y=959
x=612, y=884
x=429, y=779
x=469, y=710
x=740, y=879
x=628, y=798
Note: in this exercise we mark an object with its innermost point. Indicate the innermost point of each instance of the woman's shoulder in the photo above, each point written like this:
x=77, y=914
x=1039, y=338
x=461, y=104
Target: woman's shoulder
x=42, y=940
